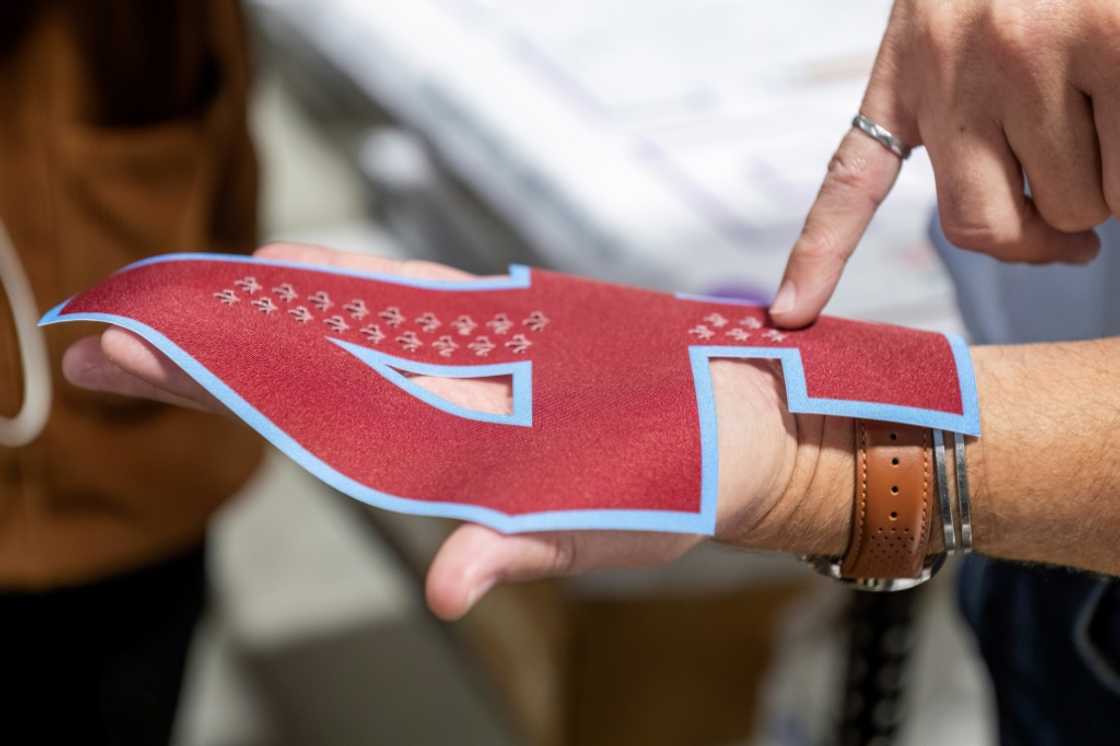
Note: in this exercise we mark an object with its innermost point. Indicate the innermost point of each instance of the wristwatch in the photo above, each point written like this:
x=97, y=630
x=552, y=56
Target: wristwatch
x=893, y=510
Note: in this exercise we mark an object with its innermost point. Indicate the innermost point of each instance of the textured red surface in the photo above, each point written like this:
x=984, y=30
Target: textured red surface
x=614, y=406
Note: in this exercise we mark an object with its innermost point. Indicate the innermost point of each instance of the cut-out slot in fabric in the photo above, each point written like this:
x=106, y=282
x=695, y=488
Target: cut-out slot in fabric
x=395, y=370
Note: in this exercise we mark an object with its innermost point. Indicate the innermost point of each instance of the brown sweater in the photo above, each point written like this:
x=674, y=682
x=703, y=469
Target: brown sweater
x=123, y=134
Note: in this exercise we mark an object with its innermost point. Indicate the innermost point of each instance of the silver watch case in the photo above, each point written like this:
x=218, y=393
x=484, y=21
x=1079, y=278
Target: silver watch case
x=830, y=567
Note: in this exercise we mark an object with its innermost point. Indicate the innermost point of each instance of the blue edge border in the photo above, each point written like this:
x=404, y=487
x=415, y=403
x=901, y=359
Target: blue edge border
x=703, y=522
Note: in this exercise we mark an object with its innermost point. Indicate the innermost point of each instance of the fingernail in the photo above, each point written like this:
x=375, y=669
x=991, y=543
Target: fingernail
x=784, y=300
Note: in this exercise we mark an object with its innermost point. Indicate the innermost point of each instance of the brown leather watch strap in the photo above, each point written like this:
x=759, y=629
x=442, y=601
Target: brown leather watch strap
x=892, y=511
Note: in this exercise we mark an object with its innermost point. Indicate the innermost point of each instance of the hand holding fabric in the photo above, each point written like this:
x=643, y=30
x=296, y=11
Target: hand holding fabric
x=772, y=462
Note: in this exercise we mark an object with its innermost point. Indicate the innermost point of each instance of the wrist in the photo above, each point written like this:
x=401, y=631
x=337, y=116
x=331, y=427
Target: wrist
x=813, y=515
x=786, y=481
x=807, y=508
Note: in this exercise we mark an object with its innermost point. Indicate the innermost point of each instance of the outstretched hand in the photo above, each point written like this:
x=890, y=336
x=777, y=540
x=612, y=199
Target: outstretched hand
x=771, y=462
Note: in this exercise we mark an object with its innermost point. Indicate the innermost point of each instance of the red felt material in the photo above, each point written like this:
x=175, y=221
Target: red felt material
x=615, y=420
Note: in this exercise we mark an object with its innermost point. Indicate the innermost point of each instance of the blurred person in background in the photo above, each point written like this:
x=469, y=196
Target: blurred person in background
x=124, y=134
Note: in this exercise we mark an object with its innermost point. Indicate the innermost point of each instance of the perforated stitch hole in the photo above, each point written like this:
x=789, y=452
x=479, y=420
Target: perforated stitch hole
x=894, y=461
x=894, y=489
x=894, y=517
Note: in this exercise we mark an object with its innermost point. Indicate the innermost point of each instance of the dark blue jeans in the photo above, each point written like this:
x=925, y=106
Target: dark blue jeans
x=1051, y=640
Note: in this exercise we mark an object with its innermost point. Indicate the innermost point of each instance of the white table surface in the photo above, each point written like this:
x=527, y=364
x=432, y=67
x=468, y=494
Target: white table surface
x=670, y=143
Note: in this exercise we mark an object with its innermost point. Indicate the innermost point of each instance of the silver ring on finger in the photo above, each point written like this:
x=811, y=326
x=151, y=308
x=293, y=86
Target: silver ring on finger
x=881, y=135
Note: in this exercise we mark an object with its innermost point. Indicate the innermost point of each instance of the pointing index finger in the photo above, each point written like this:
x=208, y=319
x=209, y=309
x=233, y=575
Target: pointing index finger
x=859, y=177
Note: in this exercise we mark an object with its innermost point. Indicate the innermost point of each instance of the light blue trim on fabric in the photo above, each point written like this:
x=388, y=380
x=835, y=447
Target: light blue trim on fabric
x=518, y=277
x=798, y=399
x=709, y=439
x=388, y=365
x=970, y=399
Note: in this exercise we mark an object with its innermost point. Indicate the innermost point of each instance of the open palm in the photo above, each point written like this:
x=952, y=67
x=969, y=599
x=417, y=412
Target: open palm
x=760, y=460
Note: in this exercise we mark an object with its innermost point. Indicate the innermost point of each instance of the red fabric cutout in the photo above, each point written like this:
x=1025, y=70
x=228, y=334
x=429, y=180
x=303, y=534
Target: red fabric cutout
x=615, y=421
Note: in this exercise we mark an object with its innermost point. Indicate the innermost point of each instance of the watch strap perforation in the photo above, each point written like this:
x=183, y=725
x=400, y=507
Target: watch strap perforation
x=892, y=510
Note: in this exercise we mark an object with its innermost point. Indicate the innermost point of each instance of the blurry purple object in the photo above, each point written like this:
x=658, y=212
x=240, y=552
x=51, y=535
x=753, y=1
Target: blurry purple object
x=740, y=292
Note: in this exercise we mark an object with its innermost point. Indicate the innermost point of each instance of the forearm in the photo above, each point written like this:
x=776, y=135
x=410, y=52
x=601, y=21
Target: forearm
x=1046, y=471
